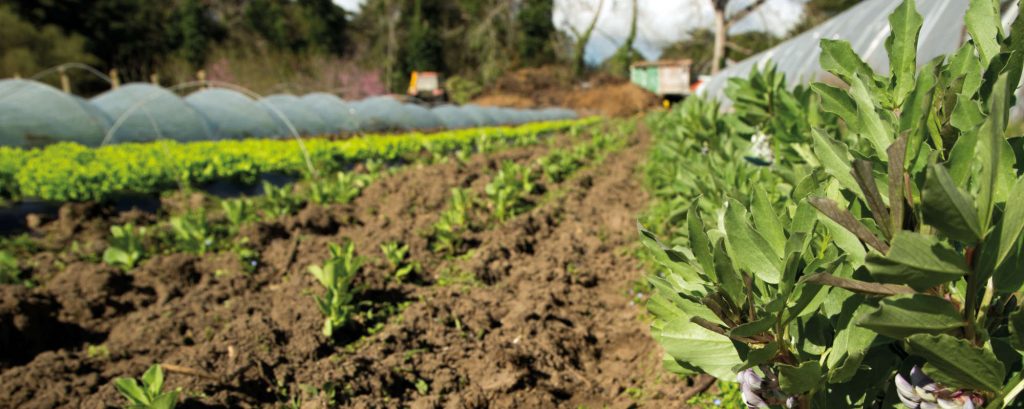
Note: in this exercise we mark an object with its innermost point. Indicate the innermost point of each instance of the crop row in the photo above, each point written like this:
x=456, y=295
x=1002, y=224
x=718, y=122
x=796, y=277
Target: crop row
x=849, y=247
x=69, y=171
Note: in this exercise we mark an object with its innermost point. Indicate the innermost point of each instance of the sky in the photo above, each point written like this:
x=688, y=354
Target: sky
x=661, y=22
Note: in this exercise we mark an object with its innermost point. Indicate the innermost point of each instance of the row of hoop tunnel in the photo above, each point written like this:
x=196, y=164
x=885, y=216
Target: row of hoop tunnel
x=35, y=114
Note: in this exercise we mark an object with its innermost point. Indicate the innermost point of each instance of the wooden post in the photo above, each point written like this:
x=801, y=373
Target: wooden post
x=115, y=80
x=154, y=78
x=201, y=76
x=65, y=82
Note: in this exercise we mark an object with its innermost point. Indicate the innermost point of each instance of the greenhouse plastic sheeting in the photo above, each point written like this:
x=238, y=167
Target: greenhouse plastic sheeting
x=36, y=114
x=454, y=117
x=378, y=113
x=231, y=114
x=414, y=116
x=865, y=26
x=144, y=112
x=292, y=108
x=337, y=115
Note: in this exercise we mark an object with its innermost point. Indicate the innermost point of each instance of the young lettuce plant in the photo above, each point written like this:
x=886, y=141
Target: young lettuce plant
x=336, y=275
x=342, y=188
x=509, y=189
x=452, y=223
x=125, y=249
x=149, y=395
x=191, y=232
x=279, y=201
x=238, y=212
x=395, y=254
x=889, y=275
x=10, y=271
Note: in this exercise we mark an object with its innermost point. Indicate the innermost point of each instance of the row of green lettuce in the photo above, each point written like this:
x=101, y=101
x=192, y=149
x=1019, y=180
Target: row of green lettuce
x=72, y=172
x=854, y=246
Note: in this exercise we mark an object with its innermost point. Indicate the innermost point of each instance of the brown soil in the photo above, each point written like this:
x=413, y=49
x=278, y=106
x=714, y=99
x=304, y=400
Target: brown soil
x=552, y=86
x=542, y=318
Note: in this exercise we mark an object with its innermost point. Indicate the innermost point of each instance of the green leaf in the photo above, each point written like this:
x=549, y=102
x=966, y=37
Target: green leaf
x=166, y=401
x=699, y=243
x=835, y=158
x=838, y=102
x=153, y=379
x=851, y=343
x=990, y=144
x=956, y=363
x=795, y=380
x=905, y=24
x=1012, y=221
x=750, y=329
x=131, y=390
x=902, y=316
x=871, y=125
x=918, y=260
x=838, y=58
x=748, y=248
x=699, y=347
x=666, y=257
x=766, y=221
x=1016, y=323
x=982, y=20
x=856, y=286
x=758, y=355
x=728, y=278
x=947, y=208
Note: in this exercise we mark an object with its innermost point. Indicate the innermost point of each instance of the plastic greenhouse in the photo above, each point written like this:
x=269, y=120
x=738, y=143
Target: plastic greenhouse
x=305, y=121
x=866, y=27
x=454, y=117
x=335, y=113
x=414, y=116
x=150, y=112
x=233, y=115
x=378, y=113
x=36, y=114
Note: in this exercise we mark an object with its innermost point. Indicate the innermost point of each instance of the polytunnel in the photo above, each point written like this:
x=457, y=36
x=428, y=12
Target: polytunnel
x=304, y=120
x=413, y=116
x=454, y=117
x=145, y=112
x=865, y=26
x=35, y=114
x=233, y=115
x=378, y=113
x=337, y=115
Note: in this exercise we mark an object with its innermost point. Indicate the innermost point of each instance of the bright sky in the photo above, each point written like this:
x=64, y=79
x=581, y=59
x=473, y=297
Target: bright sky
x=661, y=22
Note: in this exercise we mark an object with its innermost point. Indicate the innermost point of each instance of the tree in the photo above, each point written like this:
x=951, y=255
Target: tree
x=535, y=32
x=579, y=50
x=618, y=64
x=26, y=49
x=194, y=41
x=422, y=47
x=327, y=25
x=722, y=25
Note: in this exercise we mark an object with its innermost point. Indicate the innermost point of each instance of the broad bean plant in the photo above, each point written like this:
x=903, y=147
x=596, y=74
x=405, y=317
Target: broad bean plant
x=878, y=260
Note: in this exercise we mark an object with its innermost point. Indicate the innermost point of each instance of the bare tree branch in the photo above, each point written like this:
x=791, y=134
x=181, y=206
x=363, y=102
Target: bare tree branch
x=743, y=13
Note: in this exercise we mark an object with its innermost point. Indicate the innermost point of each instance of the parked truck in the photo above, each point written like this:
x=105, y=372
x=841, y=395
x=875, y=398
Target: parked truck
x=669, y=79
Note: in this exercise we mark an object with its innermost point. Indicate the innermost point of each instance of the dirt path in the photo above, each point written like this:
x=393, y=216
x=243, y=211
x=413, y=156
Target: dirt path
x=541, y=315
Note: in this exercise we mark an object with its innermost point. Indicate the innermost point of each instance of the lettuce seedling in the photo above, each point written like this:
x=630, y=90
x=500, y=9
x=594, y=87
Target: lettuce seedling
x=191, y=233
x=10, y=271
x=125, y=249
x=452, y=223
x=342, y=188
x=337, y=275
x=508, y=190
x=395, y=253
x=149, y=394
x=238, y=212
x=279, y=201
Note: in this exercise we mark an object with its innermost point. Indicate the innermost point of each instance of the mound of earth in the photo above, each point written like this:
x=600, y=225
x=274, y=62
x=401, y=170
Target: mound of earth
x=552, y=86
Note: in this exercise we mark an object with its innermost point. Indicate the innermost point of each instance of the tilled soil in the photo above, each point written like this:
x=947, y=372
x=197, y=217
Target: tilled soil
x=541, y=315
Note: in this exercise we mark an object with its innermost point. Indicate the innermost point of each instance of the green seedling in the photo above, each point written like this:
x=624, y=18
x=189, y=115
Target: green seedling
x=191, y=233
x=238, y=212
x=395, y=253
x=342, y=188
x=125, y=249
x=508, y=190
x=149, y=395
x=452, y=223
x=10, y=271
x=279, y=201
x=336, y=275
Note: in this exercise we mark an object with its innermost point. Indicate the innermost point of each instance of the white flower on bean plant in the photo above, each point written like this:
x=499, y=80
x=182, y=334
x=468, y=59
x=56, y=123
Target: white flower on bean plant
x=921, y=392
x=761, y=393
